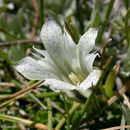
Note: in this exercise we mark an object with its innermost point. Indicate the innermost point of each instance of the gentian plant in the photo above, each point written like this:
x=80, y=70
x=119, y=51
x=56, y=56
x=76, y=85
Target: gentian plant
x=63, y=65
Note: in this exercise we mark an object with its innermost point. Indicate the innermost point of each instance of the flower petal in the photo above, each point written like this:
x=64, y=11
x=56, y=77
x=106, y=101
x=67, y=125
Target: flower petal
x=88, y=62
x=42, y=52
x=86, y=44
x=71, y=53
x=91, y=80
x=59, y=85
x=86, y=93
x=34, y=70
x=50, y=63
x=51, y=35
x=87, y=41
x=69, y=45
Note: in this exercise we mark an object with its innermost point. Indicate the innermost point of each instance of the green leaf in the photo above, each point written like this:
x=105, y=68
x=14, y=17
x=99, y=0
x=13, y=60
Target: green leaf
x=32, y=96
x=96, y=20
x=110, y=81
x=4, y=56
x=3, y=9
x=75, y=32
x=15, y=119
x=127, y=29
x=127, y=62
x=126, y=113
x=123, y=122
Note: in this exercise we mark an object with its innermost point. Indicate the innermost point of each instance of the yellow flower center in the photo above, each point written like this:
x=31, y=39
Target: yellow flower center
x=76, y=79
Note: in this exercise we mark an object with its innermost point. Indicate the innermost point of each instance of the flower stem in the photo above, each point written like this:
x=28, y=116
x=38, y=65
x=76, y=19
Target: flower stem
x=62, y=121
x=49, y=114
x=88, y=101
x=67, y=112
x=110, y=6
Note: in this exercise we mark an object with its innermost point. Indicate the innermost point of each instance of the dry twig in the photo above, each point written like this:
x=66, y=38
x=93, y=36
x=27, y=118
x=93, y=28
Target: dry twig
x=18, y=42
x=21, y=92
x=126, y=100
x=36, y=8
x=117, y=127
x=57, y=107
x=115, y=97
x=28, y=51
x=5, y=84
x=103, y=52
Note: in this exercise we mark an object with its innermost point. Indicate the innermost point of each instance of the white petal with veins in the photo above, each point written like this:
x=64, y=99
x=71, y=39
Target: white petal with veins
x=50, y=63
x=86, y=44
x=91, y=80
x=52, y=37
x=88, y=61
x=42, y=52
x=87, y=41
x=71, y=52
x=57, y=84
x=63, y=63
x=33, y=70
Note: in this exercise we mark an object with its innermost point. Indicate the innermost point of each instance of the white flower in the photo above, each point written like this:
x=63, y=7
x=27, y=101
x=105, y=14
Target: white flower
x=64, y=65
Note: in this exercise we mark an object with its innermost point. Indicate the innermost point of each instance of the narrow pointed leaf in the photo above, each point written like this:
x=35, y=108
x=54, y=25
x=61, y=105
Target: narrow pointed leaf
x=110, y=81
